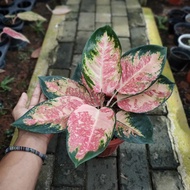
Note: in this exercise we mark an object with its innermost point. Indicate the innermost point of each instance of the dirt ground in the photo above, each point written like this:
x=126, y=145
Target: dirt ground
x=20, y=66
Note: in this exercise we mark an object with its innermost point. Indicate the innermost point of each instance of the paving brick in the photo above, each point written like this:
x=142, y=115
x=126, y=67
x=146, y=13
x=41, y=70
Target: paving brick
x=46, y=174
x=102, y=2
x=103, y=9
x=88, y=6
x=60, y=72
x=67, y=188
x=118, y=8
x=136, y=18
x=65, y=173
x=133, y=4
x=52, y=145
x=120, y=26
x=125, y=44
x=138, y=36
x=73, y=2
x=74, y=8
x=101, y=24
x=67, y=31
x=63, y=56
x=99, y=175
x=86, y=21
x=161, y=152
x=81, y=39
x=71, y=16
x=77, y=58
x=166, y=180
x=103, y=17
x=133, y=167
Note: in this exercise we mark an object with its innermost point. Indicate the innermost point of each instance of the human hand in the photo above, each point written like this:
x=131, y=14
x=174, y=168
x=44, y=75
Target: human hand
x=32, y=139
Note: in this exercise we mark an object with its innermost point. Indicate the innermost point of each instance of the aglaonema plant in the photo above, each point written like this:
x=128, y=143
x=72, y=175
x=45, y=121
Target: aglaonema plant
x=107, y=98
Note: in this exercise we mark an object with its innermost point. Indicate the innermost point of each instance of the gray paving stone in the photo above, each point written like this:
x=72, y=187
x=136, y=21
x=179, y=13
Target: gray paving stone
x=102, y=174
x=73, y=2
x=81, y=39
x=102, y=2
x=67, y=31
x=133, y=167
x=118, y=8
x=133, y=4
x=125, y=44
x=138, y=36
x=103, y=17
x=46, y=174
x=77, y=58
x=67, y=188
x=74, y=8
x=88, y=6
x=166, y=180
x=86, y=21
x=120, y=26
x=63, y=55
x=65, y=173
x=103, y=9
x=161, y=152
x=60, y=72
x=136, y=18
x=52, y=145
x=71, y=16
x=101, y=24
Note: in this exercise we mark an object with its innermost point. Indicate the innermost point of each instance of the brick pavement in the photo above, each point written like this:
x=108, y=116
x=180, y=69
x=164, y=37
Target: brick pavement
x=132, y=167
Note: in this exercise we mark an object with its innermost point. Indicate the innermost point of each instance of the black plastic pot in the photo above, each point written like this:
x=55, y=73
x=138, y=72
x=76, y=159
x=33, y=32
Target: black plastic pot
x=186, y=9
x=178, y=58
x=18, y=6
x=179, y=29
x=175, y=16
x=4, y=45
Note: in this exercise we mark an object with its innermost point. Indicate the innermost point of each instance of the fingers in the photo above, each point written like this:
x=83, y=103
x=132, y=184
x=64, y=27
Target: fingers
x=35, y=96
x=20, y=107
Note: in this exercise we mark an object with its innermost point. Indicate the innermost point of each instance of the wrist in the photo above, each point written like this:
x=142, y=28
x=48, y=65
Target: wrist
x=38, y=142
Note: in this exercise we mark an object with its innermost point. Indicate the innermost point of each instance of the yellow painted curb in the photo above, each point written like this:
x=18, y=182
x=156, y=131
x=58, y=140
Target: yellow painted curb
x=179, y=131
x=43, y=61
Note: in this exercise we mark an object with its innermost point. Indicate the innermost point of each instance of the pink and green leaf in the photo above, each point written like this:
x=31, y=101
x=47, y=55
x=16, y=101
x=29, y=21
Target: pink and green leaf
x=133, y=128
x=140, y=68
x=101, y=60
x=89, y=132
x=49, y=116
x=14, y=34
x=148, y=100
x=56, y=86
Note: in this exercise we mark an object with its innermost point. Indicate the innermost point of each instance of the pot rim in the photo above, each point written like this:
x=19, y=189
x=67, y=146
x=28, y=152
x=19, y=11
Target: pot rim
x=181, y=43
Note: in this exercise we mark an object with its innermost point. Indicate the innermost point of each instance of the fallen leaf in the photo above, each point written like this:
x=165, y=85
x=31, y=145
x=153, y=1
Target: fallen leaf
x=59, y=10
x=2, y=70
x=36, y=53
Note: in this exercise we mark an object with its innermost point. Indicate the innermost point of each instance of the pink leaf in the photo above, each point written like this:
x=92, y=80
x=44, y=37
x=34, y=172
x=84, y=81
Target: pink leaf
x=54, y=112
x=60, y=10
x=36, y=53
x=150, y=99
x=89, y=130
x=15, y=34
x=140, y=68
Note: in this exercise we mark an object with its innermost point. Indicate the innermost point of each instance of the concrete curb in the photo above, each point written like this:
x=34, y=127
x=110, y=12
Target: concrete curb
x=179, y=131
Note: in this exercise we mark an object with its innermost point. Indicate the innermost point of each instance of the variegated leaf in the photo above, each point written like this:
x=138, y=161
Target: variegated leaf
x=49, y=116
x=12, y=33
x=55, y=86
x=30, y=16
x=140, y=68
x=133, y=128
x=89, y=132
x=148, y=100
x=101, y=60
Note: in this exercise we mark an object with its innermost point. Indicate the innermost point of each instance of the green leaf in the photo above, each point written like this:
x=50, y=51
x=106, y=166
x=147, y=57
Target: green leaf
x=133, y=128
x=101, y=60
x=49, y=116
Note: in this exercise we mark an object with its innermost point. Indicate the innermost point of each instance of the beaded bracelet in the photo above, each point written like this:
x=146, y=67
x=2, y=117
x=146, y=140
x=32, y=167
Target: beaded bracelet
x=26, y=149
